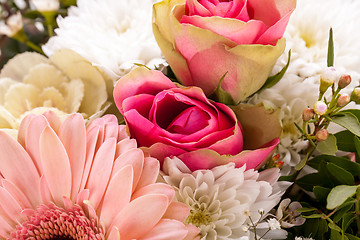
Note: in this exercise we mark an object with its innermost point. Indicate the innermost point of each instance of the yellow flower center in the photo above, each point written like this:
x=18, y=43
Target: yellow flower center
x=198, y=217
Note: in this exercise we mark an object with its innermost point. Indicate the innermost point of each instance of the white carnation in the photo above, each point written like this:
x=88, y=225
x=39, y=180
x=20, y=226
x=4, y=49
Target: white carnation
x=112, y=34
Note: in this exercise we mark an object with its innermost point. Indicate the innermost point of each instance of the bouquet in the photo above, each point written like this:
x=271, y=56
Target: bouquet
x=179, y=119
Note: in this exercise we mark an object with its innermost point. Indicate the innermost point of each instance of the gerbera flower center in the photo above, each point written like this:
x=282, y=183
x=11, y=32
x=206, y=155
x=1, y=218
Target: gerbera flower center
x=55, y=223
x=198, y=217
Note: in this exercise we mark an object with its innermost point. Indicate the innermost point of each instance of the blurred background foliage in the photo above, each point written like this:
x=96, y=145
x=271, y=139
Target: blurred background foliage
x=34, y=26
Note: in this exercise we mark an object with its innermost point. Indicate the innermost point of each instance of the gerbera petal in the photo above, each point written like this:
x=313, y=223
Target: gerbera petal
x=44, y=191
x=114, y=234
x=177, y=211
x=16, y=193
x=14, y=160
x=167, y=229
x=118, y=195
x=160, y=188
x=56, y=165
x=10, y=206
x=72, y=134
x=150, y=172
x=134, y=158
x=23, y=129
x=100, y=171
x=139, y=218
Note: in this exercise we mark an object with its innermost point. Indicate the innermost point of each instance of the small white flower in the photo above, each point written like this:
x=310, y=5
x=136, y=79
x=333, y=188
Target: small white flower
x=46, y=5
x=222, y=200
x=244, y=238
x=273, y=224
x=13, y=25
x=302, y=238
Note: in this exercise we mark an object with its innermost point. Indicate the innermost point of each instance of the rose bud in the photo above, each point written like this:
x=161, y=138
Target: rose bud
x=320, y=108
x=327, y=78
x=308, y=114
x=355, y=95
x=343, y=100
x=344, y=81
x=322, y=135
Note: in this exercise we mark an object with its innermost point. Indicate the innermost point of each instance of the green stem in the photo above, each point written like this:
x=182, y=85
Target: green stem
x=34, y=47
x=357, y=209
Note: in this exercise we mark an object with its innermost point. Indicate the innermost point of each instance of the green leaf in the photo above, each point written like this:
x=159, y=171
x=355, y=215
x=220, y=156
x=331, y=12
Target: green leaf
x=219, y=95
x=330, y=55
x=357, y=144
x=339, y=194
x=352, y=167
x=335, y=227
x=343, y=176
x=321, y=193
x=352, y=237
x=271, y=81
x=287, y=178
x=328, y=146
x=356, y=112
x=340, y=213
x=335, y=235
x=306, y=209
x=348, y=121
x=315, y=215
x=308, y=181
x=347, y=220
x=344, y=141
x=301, y=164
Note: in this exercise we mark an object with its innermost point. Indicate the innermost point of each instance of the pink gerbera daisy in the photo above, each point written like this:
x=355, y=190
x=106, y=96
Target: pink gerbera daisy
x=62, y=180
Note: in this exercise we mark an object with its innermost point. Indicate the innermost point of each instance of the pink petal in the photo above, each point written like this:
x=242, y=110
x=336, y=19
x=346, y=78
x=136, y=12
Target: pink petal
x=155, y=188
x=139, y=81
x=72, y=134
x=124, y=146
x=161, y=151
x=117, y=195
x=114, y=234
x=141, y=215
x=167, y=229
x=265, y=11
x=150, y=172
x=56, y=165
x=32, y=140
x=233, y=29
x=208, y=159
x=92, y=134
x=17, y=166
x=16, y=193
x=100, y=171
x=275, y=32
x=177, y=211
x=134, y=158
x=23, y=129
x=11, y=206
x=5, y=228
x=45, y=193
x=53, y=120
x=193, y=7
x=82, y=196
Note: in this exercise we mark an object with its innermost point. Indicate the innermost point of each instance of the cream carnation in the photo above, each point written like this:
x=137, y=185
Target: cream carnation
x=65, y=83
x=111, y=34
x=223, y=200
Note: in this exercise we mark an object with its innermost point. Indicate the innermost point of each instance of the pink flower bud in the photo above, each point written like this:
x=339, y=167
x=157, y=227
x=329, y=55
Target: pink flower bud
x=308, y=114
x=344, y=81
x=343, y=100
x=327, y=78
x=322, y=135
x=320, y=108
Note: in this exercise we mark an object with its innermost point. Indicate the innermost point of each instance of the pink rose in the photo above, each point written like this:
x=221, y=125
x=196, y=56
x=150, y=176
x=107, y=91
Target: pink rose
x=167, y=120
x=242, y=38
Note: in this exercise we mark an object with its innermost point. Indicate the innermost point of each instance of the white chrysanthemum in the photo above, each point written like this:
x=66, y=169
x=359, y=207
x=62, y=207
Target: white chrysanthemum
x=223, y=200
x=307, y=37
x=112, y=34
